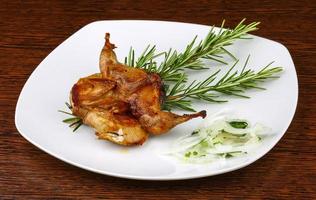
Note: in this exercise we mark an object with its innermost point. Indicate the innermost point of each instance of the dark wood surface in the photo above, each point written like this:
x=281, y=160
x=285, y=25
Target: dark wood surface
x=30, y=30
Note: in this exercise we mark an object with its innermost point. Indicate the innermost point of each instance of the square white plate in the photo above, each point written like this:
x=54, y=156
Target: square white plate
x=48, y=88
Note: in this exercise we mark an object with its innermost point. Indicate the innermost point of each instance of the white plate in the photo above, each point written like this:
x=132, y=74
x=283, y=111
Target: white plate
x=48, y=88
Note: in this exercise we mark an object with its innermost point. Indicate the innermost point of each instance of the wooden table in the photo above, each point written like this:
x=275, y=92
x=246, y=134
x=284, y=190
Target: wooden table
x=29, y=31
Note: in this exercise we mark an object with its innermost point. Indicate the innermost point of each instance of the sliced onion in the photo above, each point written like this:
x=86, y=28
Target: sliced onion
x=217, y=139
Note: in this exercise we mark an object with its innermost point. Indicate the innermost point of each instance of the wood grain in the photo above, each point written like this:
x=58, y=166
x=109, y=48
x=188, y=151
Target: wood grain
x=29, y=30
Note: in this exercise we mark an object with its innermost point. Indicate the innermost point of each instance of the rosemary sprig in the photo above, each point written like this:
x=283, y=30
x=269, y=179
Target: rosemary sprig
x=145, y=60
x=211, y=47
x=73, y=121
x=232, y=83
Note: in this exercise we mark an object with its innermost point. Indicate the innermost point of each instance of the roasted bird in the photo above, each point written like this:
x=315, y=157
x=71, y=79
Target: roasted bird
x=122, y=103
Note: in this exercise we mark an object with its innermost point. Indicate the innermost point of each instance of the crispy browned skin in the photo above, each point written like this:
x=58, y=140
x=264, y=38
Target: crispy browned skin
x=142, y=91
x=122, y=103
x=94, y=100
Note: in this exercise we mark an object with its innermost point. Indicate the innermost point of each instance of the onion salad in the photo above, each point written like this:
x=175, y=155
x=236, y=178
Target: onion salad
x=220, y=138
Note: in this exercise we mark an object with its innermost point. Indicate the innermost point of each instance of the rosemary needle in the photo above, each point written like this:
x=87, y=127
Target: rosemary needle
x=74, y=121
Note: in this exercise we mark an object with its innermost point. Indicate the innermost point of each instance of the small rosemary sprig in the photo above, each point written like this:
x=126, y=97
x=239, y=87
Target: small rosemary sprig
x=74, y=121
x=211, y=47
x=145, y=60
x=232, y=83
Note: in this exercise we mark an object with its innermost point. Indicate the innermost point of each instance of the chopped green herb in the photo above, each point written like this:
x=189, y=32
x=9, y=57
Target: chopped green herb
x=204, y=143
x=239, y=124
x=195, y=132
x=188, y=154
x=228, y=155
x=217, y=143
